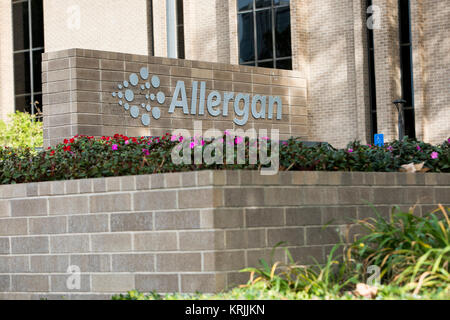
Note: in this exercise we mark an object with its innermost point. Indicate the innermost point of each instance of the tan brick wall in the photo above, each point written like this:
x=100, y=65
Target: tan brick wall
x=329, y=51
x=152, y=233
x=431, y=58
x=78, y=86
x=6, y=61
x=361, y=71
x=332, y=58
x=207, y=30
x=233, y=29
x=387, y=68
x=329, y=48
x=160, y=28
x=299, y=35
x=204, y=21
x=119, y=25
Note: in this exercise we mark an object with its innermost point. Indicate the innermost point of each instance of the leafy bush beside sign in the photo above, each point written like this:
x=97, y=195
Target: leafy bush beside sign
x=21, y=131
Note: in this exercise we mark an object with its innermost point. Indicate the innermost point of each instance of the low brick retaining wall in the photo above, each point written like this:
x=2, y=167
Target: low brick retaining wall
x=183, y=232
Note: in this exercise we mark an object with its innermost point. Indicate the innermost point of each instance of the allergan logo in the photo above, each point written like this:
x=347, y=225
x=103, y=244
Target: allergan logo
x=217, y=104
x=127, y=96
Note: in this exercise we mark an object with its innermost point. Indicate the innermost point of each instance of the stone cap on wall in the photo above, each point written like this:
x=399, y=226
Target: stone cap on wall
x=208, y=178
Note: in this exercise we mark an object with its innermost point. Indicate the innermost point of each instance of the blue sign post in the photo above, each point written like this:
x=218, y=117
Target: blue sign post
x=379, y=140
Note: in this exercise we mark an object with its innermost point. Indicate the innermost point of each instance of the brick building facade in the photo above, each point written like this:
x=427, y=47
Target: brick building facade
x=348, y=97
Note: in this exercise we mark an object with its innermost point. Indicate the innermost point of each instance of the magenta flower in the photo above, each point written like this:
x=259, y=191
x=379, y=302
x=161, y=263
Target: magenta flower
x=181, y=139
x=448, y=140
x=418, y=148
x=192, y=145
x=115, y=147
x=173, y=138
x=239, y=140
x=350, y=150
x=434, y=155
x=390, y=149
x=146, y=152
x=265, y=138
x=227, y=133
x=127, y=141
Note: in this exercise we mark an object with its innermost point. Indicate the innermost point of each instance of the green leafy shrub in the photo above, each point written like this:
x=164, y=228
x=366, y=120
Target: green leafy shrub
x=327, y=280
x=21, y=131
x=357, y=157
x=87, y=157
x=411, y=251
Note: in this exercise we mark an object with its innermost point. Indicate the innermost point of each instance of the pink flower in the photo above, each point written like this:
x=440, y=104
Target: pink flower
x=434, y=155
x=146, y=152
x=418, y=148
x=127, y=141
x=227, y=133
x=239, y=140
x=390, y=148
x=284, y=143
x=192, y=145
x=181, y=139
x=350, y=150
x=173, y=138
x=203, y=142
x=115, y=147
x=448, y=140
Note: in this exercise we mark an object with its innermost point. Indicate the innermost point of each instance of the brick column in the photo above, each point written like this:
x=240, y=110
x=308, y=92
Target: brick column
x=387, y=68
x=430, y=22
x=6, y=61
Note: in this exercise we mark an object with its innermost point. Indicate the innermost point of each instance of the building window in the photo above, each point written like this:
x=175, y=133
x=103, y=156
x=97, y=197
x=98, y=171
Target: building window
x=28, y=34
x=406, y=66
x=264, y=30
x=371, y=73
x=180, y=30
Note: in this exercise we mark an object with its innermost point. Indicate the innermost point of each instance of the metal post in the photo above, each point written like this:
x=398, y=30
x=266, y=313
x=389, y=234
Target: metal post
x=401, y=118
x=401, y=123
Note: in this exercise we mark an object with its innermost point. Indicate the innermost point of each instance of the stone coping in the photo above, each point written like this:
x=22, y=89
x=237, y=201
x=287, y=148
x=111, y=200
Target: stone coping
x=109, y=55
x=221, y=178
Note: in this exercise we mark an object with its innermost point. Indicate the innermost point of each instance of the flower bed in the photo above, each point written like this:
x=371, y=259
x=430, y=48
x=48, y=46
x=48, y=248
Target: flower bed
x=89, y=157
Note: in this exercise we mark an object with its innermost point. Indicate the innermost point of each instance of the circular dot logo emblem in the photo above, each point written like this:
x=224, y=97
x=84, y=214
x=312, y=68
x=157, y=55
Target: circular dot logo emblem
x=126, y=95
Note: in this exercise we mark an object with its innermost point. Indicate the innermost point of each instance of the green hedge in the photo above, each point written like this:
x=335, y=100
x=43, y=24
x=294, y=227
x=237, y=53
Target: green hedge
x=88, y=157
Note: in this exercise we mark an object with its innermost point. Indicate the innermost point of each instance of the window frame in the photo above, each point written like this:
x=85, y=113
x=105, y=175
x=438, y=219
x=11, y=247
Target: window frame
x=406, y=69
x=272, y=8
x=31, y=51
x=181, y=46
x=372, y=76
